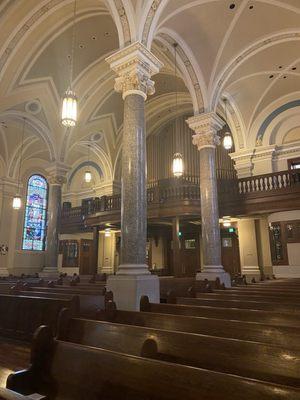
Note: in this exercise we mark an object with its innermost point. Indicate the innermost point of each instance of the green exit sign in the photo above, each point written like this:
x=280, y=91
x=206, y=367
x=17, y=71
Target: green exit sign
x=231, y=230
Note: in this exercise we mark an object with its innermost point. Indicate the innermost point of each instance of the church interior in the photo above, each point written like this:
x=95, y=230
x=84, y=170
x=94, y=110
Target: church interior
x=149, y=199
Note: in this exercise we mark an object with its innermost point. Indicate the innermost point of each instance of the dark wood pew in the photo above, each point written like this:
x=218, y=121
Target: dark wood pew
x=21, y=315
x=6, y=394
x=262, y=292
x=247, y=359
x=239, y=304
x=258, y=298
x=63, y=370
x=285, y=337
x=69, y=289
x=89, y=304
x=266, y=317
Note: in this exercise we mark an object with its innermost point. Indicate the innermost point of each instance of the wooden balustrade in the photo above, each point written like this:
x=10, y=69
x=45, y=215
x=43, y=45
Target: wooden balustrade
x=233, y=191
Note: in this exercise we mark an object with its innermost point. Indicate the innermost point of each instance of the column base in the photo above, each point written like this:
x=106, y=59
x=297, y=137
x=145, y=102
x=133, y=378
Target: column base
x=251, y=272
x=4, y=272
x=133, y=269
x=49, y=272
x=128, y=290
x=212, y=272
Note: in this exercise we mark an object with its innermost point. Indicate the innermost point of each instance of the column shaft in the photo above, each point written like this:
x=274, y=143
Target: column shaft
x=54, y=212
x=134, y=201
x=209, y=208
x=94, y=267
x=176, y=248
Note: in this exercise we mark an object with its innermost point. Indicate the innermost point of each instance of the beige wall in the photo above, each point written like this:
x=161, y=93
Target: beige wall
x=248, y=247
x=106, y=253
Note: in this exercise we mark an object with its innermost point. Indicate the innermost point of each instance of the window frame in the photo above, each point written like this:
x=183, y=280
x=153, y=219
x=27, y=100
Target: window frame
x=46, y=214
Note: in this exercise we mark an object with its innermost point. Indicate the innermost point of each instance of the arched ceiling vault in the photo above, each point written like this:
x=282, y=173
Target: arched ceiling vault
x=222, y=52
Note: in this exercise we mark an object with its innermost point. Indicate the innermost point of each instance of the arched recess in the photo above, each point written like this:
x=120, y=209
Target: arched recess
x=270, y=117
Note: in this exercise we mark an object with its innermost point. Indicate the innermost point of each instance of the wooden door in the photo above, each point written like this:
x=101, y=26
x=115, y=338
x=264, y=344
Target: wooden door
x=86, y=257
x=230, y=253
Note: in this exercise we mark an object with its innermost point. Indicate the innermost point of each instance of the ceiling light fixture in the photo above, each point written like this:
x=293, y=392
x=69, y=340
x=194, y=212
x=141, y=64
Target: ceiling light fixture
x=88, y=174
x=177, y=164
x=226, y=222
x=17, y=201
x=69, y=105
x=227, y=139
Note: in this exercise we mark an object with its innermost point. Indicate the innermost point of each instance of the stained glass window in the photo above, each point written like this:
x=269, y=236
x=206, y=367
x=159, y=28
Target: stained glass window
x=34, y=233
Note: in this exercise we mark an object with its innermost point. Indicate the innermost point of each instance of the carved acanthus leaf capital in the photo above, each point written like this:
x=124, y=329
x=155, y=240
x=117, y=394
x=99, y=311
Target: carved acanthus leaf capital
x=134, y=65
x=207, y=139
x=206, y=127
x=57, y=180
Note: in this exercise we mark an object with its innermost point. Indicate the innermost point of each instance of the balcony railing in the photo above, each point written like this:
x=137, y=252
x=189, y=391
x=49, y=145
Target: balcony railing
x=186, y=191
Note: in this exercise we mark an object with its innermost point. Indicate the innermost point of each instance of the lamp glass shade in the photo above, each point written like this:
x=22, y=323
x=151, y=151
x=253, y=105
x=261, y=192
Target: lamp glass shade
x=69, y=109
x=226, y=222
x=227, y=141
x=17, y=202
x=107, y=232
x=87, y=176
x=177, y=166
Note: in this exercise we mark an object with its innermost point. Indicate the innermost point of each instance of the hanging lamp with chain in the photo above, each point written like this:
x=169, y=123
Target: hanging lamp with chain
x=69, y=105
x=17, y=201
x=88, y=174
x=177, y=164
x=227, y=139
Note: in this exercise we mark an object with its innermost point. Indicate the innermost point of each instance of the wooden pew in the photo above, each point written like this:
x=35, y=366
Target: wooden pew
x=238, y=304
x=89, y=304
x=266, y=317
x=262, y=292
x=285, y=337
x=63, y=370
x=21, y=315
x=247, y=359
x=6, y=394
x=259, y=298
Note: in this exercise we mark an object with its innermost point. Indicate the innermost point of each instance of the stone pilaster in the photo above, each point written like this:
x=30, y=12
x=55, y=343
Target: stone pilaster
x=248, y=249
x=55, y=180
x=8, y=225
x=205, y=138
x=134, y=66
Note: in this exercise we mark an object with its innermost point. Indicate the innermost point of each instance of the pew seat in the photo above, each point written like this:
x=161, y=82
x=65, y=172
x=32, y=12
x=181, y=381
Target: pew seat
x=67, y=371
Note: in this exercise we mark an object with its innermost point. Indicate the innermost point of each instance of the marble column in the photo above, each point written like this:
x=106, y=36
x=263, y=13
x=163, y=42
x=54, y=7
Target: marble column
x=205, y=138
x=134, y=66
x=53, y=225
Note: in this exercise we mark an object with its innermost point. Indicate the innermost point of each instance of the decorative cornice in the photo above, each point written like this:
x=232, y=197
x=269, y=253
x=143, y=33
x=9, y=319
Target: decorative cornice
x=134, y=65
x=205, y=127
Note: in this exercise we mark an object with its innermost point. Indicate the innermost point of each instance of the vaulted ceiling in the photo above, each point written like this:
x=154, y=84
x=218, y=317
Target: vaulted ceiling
x=244, y=50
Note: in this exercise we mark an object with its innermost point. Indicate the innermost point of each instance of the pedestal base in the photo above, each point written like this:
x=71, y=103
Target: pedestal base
x=49, y=272
x=213, y=273
x=251, y=272
x=4, y=272
x=128, y=290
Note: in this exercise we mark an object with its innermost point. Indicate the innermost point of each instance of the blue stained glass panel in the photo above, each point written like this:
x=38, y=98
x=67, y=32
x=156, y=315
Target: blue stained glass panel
x=34, y=233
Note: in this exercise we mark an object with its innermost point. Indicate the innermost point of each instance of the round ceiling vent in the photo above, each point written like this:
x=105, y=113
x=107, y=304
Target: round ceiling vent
x=33, y=107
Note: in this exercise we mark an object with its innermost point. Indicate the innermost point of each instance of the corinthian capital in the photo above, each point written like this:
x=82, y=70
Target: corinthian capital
x=134, y=65
x=57, y=174
x=206, y=127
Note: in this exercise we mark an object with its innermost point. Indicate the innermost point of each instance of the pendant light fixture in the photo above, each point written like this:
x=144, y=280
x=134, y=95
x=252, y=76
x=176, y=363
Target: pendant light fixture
x=177, y=164
x=17, y=201
x=69, y=105
x=88, y=174
x=227, y=140
x=226, y=222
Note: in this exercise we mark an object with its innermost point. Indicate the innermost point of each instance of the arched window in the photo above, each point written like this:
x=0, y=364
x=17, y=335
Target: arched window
x=34, y=233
